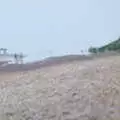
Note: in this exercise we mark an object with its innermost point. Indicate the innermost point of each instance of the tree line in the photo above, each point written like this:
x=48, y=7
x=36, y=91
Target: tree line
x=113, y=46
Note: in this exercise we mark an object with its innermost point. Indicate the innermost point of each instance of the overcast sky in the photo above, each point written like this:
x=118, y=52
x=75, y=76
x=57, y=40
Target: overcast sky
x=42, y=28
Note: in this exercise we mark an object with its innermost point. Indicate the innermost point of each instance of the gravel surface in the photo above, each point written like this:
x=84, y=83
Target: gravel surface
x=72, y=91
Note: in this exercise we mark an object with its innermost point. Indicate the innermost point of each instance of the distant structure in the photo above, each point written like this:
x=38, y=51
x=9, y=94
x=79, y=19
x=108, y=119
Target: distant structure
x=7, y=58
x=3, y=51
x=19, y=58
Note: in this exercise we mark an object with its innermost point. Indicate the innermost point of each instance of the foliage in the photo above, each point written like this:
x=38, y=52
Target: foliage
x=92, y=50
x=113, y=46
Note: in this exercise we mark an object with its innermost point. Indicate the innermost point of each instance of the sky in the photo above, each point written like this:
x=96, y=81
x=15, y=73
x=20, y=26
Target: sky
x=43, y=28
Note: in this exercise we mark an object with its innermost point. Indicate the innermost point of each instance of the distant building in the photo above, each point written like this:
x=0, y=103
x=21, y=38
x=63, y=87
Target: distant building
x=7, y=58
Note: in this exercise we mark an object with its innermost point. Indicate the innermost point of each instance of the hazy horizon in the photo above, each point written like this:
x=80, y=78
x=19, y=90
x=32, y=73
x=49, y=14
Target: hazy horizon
x=57, y=27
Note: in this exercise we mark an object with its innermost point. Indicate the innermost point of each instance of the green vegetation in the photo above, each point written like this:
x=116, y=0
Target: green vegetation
x=93, y=50
x=113, y=46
